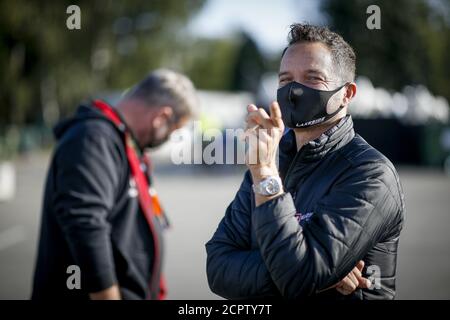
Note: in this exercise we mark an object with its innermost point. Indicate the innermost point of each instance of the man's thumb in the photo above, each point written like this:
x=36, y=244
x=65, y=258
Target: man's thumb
x=360, y=265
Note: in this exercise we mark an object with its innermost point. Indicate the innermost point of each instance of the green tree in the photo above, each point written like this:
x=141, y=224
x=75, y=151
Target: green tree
x=230, y=64
x=46, y=68
x=210, y=63
x=250, y=65
x=410, y=48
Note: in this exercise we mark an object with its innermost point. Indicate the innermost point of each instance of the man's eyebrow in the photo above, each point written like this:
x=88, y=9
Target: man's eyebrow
x=316, y=71
x=309, y=71
x=283, y=73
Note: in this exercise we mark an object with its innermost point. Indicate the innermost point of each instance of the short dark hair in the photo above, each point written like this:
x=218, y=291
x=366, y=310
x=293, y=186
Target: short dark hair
x=341, y=52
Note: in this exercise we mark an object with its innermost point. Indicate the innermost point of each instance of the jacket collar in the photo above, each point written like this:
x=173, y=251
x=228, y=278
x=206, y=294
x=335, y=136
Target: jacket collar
x=331, y=140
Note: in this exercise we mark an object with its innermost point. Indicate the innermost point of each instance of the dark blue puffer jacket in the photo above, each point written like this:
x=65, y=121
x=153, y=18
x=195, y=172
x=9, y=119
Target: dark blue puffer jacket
x=343, y=203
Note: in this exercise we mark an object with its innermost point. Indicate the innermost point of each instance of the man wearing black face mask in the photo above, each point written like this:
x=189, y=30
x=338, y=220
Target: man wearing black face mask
x=101, y=220
x=330, y=215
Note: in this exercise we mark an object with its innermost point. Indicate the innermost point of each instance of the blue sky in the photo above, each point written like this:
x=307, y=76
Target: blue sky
x=266, y=20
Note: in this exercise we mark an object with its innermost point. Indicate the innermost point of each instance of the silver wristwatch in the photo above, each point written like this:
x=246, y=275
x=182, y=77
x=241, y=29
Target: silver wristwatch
x=270, y=186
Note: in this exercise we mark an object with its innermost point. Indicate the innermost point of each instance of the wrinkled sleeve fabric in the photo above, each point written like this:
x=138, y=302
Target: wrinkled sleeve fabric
x=345, y=225
x=86, y=182
x=235, y=268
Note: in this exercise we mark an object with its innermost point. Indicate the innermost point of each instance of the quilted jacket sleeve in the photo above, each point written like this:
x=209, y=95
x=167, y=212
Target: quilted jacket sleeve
x=236, y=270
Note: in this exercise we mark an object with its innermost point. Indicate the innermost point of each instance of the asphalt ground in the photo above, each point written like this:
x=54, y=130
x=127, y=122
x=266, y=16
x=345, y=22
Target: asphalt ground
x=195, y=200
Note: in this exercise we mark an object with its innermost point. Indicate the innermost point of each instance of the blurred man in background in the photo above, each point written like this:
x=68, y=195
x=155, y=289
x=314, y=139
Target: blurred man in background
x=333, y=203
x=101, y=217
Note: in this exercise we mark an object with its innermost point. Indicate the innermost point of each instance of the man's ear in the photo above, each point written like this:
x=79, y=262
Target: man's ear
x=161, y=115
x=350, y=92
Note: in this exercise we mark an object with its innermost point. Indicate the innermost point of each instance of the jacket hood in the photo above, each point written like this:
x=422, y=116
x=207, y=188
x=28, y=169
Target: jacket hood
x=84, y=112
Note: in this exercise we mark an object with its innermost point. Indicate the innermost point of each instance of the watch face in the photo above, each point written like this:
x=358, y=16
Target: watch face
x=272, y=187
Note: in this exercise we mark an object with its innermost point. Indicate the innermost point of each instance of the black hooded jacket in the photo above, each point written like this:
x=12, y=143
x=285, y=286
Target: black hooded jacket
x=91, y=216
x=343, y=203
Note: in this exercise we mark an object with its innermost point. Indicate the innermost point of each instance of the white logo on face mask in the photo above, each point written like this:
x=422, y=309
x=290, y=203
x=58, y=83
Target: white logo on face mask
x=310, y=123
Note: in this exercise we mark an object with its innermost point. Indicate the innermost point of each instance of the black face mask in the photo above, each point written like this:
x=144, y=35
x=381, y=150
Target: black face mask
x=303, y=107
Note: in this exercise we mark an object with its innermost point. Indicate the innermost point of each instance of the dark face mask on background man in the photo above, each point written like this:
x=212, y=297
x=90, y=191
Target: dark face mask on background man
x=302, y=106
